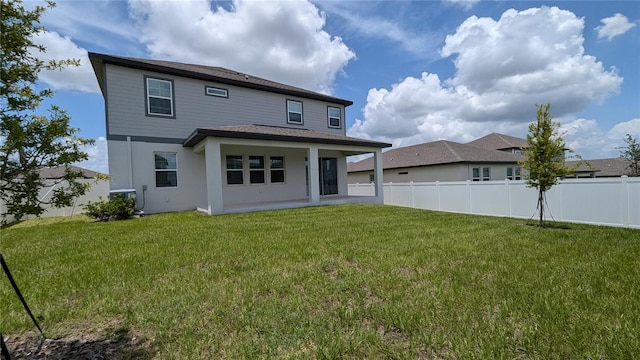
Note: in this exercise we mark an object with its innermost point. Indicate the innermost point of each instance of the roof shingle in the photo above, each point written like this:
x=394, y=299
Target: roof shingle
x=495, y=141
x=263, y=132
x=434, y=153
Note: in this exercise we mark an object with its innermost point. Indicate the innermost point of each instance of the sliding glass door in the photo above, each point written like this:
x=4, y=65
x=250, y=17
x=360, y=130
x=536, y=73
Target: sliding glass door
x=328, y=176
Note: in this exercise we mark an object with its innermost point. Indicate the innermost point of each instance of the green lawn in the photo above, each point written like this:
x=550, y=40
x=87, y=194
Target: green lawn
x=350, y=282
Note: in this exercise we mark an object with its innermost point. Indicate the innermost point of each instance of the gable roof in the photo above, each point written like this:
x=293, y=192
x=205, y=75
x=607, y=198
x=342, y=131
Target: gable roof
x=612, y=167
x=57, y=172
x=434, y=153
x=495, y=141
x=263, y=132
x=206, y=73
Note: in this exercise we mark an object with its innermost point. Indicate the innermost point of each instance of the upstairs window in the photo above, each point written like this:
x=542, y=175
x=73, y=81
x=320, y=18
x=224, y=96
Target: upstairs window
x=166, y=167
x=335, y=117
x=294, y=112
x=214, y=91
x=159, y=97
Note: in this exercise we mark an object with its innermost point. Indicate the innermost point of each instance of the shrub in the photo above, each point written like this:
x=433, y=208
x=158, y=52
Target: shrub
x=117, y=208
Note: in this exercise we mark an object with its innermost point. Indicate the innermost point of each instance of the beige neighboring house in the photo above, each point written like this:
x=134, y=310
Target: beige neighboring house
x=491, y=157
x=53, y=176
x=495, y=141
x=601, y=168
x=445, y=161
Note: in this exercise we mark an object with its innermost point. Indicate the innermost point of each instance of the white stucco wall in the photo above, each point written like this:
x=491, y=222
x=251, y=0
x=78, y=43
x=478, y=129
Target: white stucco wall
x=188, y=195
x=294, y=187
x=450, y=172
x=136, y=170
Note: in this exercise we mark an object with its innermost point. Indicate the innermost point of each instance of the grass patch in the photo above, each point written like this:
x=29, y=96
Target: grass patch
x=353, y=281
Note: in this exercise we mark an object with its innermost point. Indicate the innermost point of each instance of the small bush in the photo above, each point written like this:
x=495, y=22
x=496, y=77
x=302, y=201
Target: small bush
x=117, y=208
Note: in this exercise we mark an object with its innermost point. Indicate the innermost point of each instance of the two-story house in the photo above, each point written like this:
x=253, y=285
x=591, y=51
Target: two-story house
x=188, y=137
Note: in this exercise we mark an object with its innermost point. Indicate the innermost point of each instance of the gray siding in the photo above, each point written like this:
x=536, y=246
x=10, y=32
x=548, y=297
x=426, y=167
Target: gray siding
x=194, y=109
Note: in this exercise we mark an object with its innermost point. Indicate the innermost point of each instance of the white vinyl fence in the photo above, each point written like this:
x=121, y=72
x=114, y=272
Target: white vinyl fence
x=99, y=188
x=605, y=201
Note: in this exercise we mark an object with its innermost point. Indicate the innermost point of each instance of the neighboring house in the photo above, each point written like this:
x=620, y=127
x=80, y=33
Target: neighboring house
x=502, y=142
x=600, y=168
x=191, y=137
x=53, y=179
x=491, y=157
x=439, y=161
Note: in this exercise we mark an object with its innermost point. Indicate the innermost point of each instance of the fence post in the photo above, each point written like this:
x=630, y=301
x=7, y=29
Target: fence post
x=391, y=193
x=438, y=193
x=469, y=205
x=507, y=184
x=626, y=202
x=413, y=202
x=560, y=199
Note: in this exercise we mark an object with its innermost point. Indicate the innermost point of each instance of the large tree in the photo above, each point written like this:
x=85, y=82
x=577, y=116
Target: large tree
x=30, y=138
x=544, y=155
x=632, y=153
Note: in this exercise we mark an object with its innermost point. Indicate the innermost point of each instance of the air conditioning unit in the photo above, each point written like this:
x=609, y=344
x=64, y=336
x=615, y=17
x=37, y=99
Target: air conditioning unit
x=127, y=194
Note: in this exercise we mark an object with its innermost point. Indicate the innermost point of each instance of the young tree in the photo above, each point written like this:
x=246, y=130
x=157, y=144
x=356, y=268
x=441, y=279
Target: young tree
x=29, y=140
x=543, y=158
x=632, y=153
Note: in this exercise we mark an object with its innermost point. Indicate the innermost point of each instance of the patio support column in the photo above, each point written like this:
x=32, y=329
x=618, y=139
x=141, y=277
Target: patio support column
x=314, y=177
x=378, y=170
x=213, y=165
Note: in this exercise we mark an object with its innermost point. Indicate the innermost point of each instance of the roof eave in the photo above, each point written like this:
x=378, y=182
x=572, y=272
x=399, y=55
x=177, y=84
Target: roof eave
x=200, y=134
x=195, y=75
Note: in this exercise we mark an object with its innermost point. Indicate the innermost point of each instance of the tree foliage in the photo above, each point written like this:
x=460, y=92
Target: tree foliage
x=632, y=153
x=31, y=139
x=543, y=158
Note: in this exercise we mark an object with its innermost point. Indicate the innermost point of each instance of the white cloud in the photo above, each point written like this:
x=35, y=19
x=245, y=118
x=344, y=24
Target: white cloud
x=79, y=78
x=588, y=140
x=465, y=4
x=632, y=127
x=502, y=71
x=98, y=156
x=279, y=40
x=613, y=26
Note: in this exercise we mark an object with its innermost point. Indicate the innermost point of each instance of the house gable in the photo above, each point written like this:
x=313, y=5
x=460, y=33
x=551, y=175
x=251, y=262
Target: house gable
x=128, y=112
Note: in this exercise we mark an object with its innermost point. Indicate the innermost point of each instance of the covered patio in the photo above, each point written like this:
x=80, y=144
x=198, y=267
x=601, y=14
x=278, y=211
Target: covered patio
x=315, y=167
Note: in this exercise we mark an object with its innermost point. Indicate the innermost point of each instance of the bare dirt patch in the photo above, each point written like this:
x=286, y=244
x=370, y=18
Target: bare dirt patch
x=85, y=343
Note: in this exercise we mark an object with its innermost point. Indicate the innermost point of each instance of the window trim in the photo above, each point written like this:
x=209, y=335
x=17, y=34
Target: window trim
x=147, y=103
x=207, y=88
x=156, y=170
x=253, y=170
x=295, y=112
x=480, y=176
x=473, y=174
x=227, y=170
x=271, y=170
x=516, y=173
x=488, y=177
x=329, y=117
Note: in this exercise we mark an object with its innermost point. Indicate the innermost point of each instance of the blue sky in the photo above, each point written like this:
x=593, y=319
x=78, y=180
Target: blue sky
x=417, y=71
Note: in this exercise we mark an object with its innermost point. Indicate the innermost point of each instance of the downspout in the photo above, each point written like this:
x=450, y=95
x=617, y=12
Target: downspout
x=130, y=159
